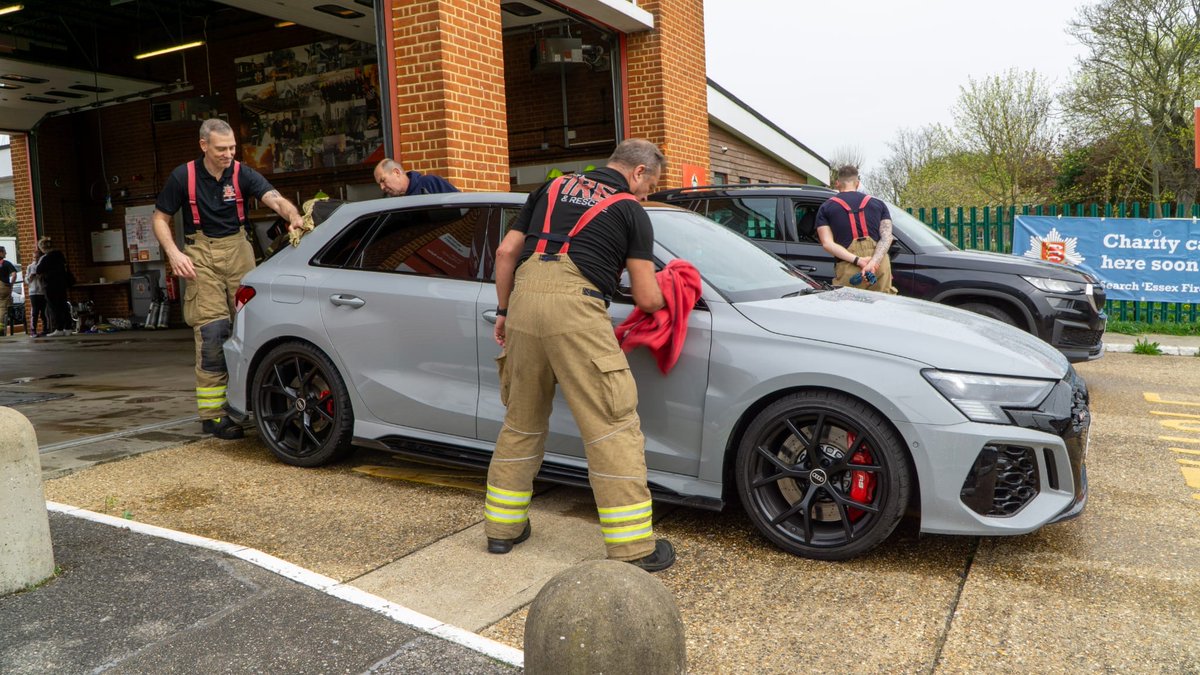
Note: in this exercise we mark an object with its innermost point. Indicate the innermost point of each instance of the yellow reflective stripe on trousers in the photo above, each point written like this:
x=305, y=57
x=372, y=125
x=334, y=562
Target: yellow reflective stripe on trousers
x=499, y=515
x=210, y=397
x=618, y=535
x=622, y=514
x=502, y=496
x=496, y=505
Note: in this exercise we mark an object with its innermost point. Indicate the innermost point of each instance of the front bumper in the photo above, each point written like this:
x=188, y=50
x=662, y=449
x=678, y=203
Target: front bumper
x=988, y=479
x=1077, y=324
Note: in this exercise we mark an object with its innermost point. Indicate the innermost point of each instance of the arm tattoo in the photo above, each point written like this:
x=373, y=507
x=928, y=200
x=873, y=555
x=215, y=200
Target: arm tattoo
x=885, y=241
x=273, y=194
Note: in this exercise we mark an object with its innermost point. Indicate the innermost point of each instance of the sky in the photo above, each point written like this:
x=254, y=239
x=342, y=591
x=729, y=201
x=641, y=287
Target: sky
x=850, y=75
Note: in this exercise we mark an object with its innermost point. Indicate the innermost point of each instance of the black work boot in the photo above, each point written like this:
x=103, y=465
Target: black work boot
x=662, y=557
x=224, y=428
x=505, y=545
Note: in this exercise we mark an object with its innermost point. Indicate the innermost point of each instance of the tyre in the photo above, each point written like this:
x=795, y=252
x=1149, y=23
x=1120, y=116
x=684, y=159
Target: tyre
x=990, y=311
x=823, y=476
x=301, y=406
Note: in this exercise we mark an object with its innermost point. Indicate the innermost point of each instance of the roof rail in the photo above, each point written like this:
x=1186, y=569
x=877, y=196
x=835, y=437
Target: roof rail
x=744, y=186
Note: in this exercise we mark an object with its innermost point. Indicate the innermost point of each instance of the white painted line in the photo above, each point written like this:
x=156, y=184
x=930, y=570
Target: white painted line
x=146, y=528
x=476, y=642
x=373, y=602
x=320, y=582
x=286, y=569
x=115, y=434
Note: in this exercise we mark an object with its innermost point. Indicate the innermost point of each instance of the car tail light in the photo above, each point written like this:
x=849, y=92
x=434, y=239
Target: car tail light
x=244, y=294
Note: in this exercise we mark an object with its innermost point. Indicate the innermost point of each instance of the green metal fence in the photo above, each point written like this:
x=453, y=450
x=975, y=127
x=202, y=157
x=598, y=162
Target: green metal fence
x=990, y=228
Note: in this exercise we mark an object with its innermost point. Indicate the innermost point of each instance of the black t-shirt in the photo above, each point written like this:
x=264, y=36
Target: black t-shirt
x=600, y=249
x=7, y=270
x=215, y=199
x=835, y=216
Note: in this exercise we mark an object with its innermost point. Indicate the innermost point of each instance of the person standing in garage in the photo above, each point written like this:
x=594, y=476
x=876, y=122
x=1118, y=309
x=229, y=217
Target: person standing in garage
x=555, y=272
x=216, y=256
x=394, y=181
x=8, y=274
x=857, y=231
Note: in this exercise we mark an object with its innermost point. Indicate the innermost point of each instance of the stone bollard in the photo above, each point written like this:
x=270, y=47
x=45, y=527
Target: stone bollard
x=604, y=616
x=26, y=557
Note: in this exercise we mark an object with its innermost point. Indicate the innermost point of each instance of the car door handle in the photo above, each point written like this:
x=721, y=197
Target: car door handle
x=805, y=268
x=347, y=300
x=489, y=316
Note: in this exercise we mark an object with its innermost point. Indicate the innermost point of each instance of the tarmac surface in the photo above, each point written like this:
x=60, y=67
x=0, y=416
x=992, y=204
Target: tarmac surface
x=379, y=565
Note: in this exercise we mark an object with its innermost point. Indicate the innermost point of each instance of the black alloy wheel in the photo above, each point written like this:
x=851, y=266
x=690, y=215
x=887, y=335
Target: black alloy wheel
x=823, y=476
x=301, y=406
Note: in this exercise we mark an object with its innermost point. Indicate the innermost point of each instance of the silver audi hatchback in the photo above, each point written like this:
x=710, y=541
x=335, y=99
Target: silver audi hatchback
x=828, y=413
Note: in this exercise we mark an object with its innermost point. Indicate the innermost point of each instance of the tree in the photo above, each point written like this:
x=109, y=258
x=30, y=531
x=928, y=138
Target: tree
x=1004, y=121
x=911, y=151
x=851, y=155
x=1138, y=82
x=8, y=218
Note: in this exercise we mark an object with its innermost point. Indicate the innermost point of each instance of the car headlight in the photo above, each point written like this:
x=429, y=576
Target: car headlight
x=1056, y=285
x=983, y=398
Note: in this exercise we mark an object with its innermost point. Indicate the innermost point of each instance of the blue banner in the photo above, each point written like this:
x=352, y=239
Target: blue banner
x=1135, y=258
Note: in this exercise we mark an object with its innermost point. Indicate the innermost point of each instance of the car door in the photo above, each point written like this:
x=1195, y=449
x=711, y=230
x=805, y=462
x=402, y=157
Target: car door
x=671, y=406
x=401, y=306
x=805, y=251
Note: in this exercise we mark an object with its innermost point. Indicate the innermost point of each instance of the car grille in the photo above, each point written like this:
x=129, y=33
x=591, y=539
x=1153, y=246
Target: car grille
x=1004, y=478
x=1079, y=337
x=1002, y=481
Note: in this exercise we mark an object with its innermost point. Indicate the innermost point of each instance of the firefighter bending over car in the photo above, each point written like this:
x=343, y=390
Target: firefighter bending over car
x=857, y=231
x=556, y=270
x=216, y=255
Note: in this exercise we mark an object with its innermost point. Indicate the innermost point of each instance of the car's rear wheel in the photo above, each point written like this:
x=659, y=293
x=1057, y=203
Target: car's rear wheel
x=822, y=475
x=301, y=406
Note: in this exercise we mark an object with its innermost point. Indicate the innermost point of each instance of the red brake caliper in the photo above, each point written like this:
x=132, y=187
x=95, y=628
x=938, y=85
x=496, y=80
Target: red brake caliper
x=328, y=403
x=862, y=483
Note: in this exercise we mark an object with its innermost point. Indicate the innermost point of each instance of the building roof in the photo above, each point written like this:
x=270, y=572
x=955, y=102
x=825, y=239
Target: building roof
x=732, y=114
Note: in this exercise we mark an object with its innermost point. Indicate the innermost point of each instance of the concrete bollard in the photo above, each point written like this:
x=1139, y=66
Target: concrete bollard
x=26, y=557
x=604, y=616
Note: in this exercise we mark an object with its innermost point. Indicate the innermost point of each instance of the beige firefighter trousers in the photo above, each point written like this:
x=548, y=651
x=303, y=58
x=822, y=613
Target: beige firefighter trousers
x=208, y=303
x=556, y=334
x=864, y=248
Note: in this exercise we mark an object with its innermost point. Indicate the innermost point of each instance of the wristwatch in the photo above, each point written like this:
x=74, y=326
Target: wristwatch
x=501, y=312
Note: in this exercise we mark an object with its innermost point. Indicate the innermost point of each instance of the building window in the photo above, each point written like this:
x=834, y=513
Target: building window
x=720, y=178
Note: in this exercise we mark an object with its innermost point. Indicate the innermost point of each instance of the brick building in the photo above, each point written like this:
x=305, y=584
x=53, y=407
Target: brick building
x=492, y=95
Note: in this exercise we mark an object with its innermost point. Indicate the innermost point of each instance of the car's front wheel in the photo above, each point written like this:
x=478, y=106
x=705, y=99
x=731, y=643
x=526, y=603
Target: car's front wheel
x=301, y=406
x=822, y=475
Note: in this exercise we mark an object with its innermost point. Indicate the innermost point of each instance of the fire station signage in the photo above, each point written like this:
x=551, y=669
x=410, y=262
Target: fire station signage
x=1152, y=260
x=309, y=107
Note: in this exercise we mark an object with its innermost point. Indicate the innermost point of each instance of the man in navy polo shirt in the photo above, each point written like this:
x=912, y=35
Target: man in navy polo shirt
x=213, y=190
x=857, y=231
x=396, y=182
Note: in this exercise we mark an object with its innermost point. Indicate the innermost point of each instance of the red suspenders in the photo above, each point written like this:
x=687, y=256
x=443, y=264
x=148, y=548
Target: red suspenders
x=583, y=220
x=237, y=192
x=862, y=216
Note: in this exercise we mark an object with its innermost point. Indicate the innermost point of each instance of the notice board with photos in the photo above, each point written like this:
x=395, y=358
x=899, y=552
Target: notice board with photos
x=309, y=107
x=139, y=234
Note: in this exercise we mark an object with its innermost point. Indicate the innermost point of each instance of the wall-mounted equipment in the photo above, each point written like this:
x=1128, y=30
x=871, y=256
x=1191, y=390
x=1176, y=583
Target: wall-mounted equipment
x=553, y=51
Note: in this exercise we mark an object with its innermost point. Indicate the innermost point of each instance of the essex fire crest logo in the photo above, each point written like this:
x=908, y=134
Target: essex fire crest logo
x=228, y=193
x=1054, y=248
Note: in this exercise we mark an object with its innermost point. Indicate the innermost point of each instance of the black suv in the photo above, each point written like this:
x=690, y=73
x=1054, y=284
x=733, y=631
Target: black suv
x=1057, y=303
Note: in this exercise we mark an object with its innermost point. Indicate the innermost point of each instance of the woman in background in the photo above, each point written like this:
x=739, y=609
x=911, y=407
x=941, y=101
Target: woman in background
x=56, y=279
x=36, y=293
